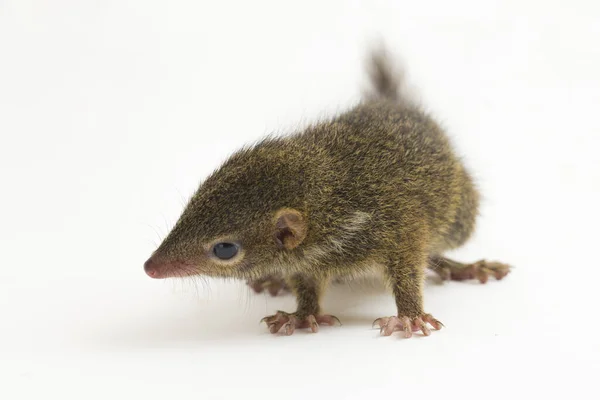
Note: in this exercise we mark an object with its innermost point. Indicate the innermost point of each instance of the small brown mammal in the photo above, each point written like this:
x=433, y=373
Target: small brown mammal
x=378, y=187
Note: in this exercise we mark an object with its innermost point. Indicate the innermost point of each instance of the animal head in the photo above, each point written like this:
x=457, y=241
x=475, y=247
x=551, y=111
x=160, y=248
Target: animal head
x=244, y=218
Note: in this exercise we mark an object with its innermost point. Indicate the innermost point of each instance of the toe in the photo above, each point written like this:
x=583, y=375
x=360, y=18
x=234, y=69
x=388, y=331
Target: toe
x=276, y=325
x=390, y=326
x=275, y=322
x=445, y=273
x=290, y=326
x=419, y=324
x=499, y=270
x=257, y=287
x=406, y=326
x=273, y=290
x=483, y=274
x=312, y=323
x=466, y=273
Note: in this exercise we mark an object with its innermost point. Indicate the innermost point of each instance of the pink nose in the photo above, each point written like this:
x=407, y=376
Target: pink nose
x=151, y=268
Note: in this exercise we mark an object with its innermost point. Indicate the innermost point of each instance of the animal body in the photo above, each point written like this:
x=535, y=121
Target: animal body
x=378, y=187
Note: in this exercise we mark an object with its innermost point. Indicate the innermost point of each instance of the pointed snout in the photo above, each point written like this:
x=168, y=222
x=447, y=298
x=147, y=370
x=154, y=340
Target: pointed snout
x=159, y=268
x=152, y=268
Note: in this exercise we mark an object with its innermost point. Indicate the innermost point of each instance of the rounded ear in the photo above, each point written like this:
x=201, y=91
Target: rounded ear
x=290, y=228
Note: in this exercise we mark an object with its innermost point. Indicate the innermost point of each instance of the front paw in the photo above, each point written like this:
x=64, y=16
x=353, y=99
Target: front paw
x=273, y=284
x=409, y=325
x=291, y=321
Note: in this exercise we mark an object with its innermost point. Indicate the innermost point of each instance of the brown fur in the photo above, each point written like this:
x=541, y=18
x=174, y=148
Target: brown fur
x=377, y=185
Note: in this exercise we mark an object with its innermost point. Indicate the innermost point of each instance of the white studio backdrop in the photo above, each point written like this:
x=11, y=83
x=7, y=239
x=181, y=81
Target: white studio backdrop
x=112, y=112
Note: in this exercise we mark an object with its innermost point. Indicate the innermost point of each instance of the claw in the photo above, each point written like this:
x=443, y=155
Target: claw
x=328, y=319
x=269, y=319
x=314, y=327
x=378, y=321
x=432, y=321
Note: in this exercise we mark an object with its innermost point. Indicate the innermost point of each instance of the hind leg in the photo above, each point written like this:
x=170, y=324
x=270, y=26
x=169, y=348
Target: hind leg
x=452, y=270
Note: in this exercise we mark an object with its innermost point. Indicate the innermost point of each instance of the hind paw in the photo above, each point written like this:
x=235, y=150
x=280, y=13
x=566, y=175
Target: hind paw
x=480, y=270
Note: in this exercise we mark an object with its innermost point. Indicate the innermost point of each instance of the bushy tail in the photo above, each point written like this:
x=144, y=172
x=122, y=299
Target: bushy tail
x=387, y=80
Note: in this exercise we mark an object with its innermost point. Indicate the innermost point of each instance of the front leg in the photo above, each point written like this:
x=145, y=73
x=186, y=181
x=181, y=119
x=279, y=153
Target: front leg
x=406, y=274
x=308, y=290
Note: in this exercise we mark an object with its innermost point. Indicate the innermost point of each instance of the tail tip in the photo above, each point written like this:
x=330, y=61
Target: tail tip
x=386, y=76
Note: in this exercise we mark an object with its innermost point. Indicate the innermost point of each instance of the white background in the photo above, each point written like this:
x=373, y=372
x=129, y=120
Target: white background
x=112, y=112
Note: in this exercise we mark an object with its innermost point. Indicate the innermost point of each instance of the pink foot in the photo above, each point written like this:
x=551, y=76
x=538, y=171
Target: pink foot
x=290, y=322
x=274, y=285
x=388, y=325
x=480, y=270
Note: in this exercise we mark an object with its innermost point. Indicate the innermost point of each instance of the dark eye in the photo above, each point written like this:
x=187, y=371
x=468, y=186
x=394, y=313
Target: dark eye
x=225, y=251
